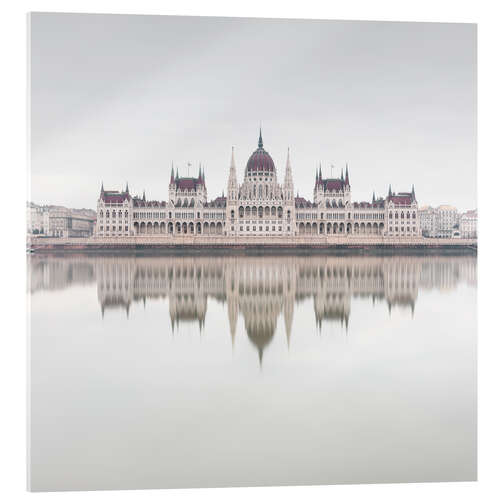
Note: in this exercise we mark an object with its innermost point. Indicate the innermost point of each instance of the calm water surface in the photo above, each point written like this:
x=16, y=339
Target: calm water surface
x=157, y=372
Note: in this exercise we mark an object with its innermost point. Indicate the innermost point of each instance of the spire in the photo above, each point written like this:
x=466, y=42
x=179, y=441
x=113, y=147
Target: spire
x=199, y=173
x=102, y=187
x=288, y=168
x=347, y=174
x=390, y=191
x=177, y=175
x=126, y=188
x=413, y=192
x=342, y=175
x=233, y=163
x=172, y=178
x=373, y=197
x=320, y=175
x=261, y=144
x=143, y=195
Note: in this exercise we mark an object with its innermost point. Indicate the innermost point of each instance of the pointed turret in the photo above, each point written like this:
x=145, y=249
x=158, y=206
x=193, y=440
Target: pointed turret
x=288, y=182
x=373, y=197
x=320, y=174
x=232, y=182
x=177, y=175
x=347, y=175
x=261, y=143
x=126, y=188
x=413, y=197
x=288, y=169
x=233, y=163
x=102, y=187
x=143, y=195
x=390, y=191
x=172, y=178
x=342, y=175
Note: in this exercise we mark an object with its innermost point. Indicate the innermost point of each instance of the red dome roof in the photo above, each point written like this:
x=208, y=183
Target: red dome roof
x=261, y=160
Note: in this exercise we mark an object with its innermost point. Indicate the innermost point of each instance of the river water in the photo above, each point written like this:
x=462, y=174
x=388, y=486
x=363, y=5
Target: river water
x=159, y=372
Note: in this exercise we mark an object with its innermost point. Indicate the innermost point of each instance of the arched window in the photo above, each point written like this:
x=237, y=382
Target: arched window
x=114, y=213
x=260, y=190
x=407, y=215
x=414, y=216
x=402, y=215
x=107, y=213
x=102, y=214
x=390, y=215
x=126, y=213
x=395, y=215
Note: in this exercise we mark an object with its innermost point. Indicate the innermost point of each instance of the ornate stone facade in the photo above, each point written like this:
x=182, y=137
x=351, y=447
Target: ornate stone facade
x=259, y=206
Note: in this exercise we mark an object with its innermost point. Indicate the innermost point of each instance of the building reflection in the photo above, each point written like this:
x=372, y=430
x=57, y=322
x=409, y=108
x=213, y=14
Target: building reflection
x=258, y=289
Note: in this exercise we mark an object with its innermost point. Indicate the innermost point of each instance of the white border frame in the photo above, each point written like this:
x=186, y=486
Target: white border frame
x=15, y=179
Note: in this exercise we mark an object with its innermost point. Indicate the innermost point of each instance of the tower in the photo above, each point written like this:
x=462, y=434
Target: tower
x=288, y=199
x=232, y=197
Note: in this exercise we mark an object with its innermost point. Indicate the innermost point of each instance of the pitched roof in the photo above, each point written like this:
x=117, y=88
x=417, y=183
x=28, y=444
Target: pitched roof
x=332, y=184
x=400, y=199
x=114, y=196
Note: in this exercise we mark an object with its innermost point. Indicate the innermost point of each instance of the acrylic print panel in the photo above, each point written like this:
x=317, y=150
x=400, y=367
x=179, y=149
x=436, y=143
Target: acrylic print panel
x=251, y=251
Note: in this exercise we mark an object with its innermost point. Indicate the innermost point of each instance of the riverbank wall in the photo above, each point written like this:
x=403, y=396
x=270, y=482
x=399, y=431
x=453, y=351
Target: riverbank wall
x=208, y=244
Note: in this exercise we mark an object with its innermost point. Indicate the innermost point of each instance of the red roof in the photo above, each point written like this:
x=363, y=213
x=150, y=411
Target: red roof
x=303, y=203
x=260, y=161
x=333, y=184
x=400, y=199
x=189, y=183
x=219, y=202
x=138, y=202
x=114, y=196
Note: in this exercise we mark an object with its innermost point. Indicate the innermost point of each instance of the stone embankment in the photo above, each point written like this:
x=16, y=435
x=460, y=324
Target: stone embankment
x=301, y=244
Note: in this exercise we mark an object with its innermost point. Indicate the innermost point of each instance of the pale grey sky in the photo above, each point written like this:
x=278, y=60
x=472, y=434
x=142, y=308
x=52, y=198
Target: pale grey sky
x=119, y=98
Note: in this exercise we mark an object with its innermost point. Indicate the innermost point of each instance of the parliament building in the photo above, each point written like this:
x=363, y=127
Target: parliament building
x=259, y=206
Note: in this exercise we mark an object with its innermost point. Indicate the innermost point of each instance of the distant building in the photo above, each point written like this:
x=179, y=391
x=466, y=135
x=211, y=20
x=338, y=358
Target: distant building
x=445, y=221
x=55, y=221
x=259, y=206
x=427, y=218
x=468, y=224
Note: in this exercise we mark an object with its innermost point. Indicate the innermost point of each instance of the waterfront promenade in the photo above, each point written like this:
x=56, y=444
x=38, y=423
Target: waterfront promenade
x=250, y=242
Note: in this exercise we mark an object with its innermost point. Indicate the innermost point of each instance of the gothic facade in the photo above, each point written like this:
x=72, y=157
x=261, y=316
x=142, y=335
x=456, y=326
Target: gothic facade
x=259, y=206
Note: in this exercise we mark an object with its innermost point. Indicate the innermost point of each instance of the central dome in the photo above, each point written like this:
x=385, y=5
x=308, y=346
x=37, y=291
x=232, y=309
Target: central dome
x=261, y=160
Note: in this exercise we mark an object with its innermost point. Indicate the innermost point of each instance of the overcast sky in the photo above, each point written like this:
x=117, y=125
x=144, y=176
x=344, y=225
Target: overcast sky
x=118, y=98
